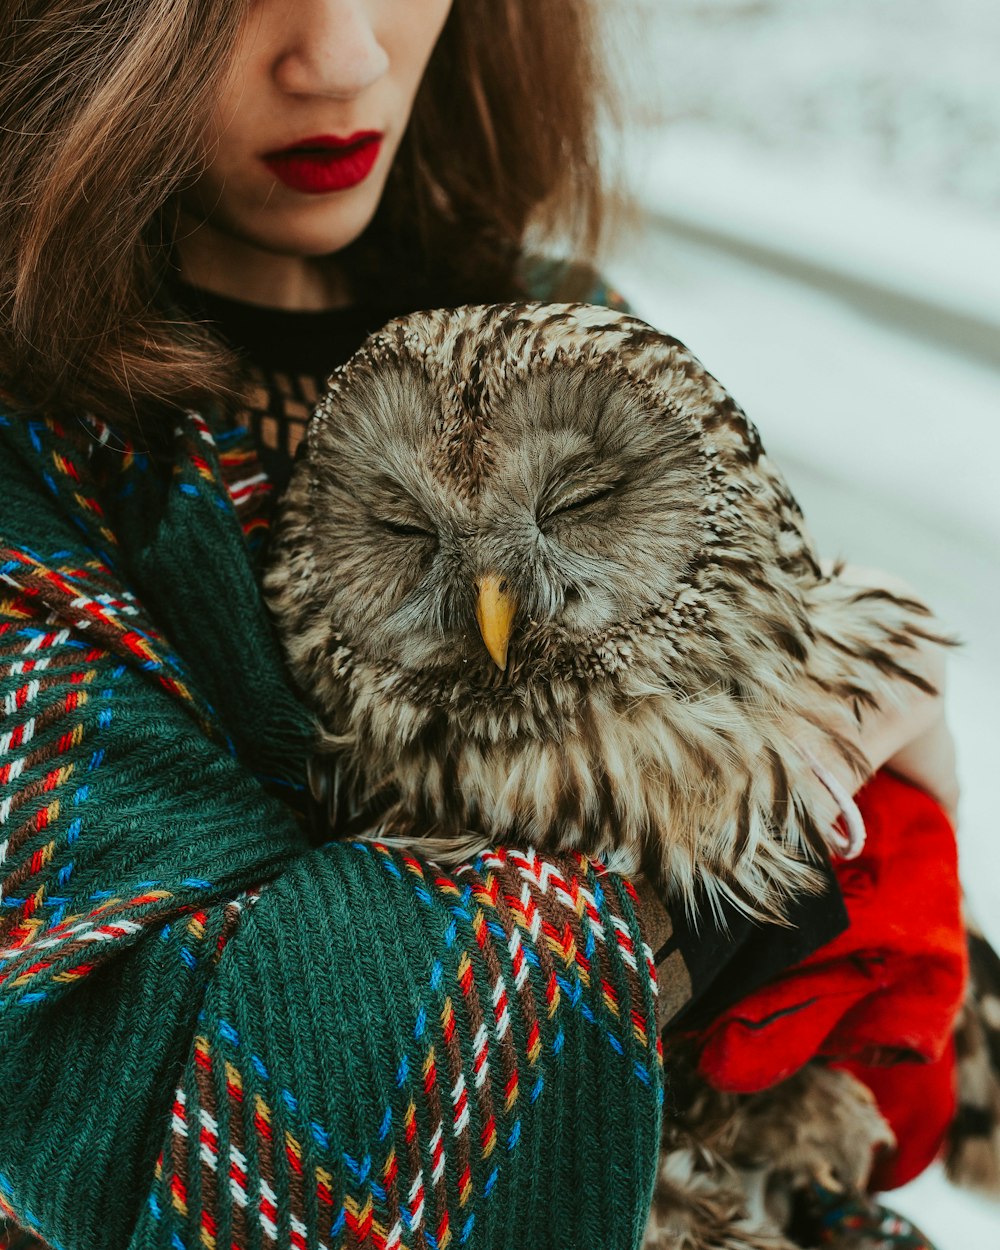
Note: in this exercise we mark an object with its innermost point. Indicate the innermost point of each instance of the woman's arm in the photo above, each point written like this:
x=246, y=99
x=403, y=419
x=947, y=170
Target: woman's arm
x=910, y=736
x=211, y=1029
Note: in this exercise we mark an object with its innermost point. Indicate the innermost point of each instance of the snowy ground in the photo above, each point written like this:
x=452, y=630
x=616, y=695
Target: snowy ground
x=898, y=93
x=877, y=390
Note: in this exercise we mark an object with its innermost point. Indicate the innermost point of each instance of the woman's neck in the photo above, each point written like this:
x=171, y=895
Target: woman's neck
x=215, y=261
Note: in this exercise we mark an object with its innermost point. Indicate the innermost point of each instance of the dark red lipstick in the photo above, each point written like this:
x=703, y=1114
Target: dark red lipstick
x=324, y=163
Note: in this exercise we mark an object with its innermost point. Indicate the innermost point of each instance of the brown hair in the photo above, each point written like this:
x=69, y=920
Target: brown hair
x=103, y=104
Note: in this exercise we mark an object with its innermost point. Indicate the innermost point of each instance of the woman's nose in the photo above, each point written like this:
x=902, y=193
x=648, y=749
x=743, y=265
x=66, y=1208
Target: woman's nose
x=330, y=48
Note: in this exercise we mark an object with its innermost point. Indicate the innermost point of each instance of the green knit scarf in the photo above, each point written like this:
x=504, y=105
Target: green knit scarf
x=214, y=1033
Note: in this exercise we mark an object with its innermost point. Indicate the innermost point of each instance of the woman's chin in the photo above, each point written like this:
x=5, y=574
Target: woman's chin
x=328, y=224
x=281, y=222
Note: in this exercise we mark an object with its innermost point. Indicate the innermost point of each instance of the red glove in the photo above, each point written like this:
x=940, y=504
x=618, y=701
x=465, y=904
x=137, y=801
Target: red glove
x=880, y=999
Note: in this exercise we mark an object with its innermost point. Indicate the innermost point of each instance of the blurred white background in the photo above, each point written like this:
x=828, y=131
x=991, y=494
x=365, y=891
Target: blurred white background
x=819, y=185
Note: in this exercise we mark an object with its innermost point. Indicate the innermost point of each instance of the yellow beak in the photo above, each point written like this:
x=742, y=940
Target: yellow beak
x=495, y=610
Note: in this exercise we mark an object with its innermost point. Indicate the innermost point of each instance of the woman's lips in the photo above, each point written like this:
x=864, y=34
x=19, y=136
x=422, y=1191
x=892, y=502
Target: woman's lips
x=326, y=163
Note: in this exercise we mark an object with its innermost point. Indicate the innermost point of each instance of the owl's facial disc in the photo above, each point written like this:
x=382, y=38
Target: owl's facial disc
x=473, y=550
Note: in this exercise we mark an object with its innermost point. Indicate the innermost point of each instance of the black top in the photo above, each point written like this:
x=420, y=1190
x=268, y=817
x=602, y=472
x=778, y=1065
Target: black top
x=288, y=357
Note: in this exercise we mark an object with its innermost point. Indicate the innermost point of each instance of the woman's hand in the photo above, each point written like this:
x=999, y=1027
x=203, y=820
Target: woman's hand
x=909, y=736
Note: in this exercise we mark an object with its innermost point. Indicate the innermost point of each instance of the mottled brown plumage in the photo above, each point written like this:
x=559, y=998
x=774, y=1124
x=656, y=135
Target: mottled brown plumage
x=732, y=1167
x=676, y=658
x=541, y=583
x=972, y=1155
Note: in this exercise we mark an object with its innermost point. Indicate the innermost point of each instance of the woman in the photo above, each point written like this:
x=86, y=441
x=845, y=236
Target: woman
x=214, y=1030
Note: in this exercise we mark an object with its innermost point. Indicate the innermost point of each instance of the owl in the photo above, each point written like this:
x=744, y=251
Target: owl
x=541, y=584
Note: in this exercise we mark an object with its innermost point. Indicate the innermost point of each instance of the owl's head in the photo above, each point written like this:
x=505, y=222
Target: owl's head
x=534, y=570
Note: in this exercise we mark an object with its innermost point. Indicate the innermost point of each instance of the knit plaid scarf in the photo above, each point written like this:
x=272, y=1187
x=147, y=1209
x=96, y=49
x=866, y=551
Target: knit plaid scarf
x=215, y=1033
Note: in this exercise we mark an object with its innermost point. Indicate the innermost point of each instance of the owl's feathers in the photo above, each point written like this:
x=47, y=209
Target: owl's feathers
x=676, y=656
